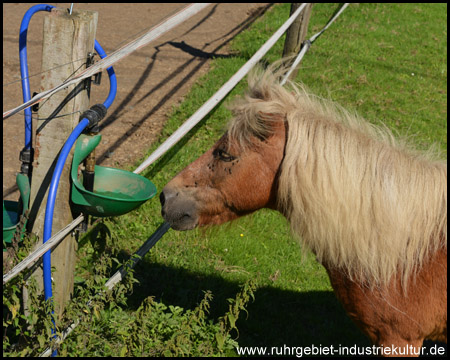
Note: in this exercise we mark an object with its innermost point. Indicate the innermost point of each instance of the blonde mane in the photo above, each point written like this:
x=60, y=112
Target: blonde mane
x=361, y=200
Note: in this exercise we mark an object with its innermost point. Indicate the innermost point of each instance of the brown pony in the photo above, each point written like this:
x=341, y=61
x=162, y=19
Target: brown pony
x=372, y=210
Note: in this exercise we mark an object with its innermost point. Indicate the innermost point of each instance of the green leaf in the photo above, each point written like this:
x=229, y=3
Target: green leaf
x=232, y=320
x=220, y=340
x=123, y=351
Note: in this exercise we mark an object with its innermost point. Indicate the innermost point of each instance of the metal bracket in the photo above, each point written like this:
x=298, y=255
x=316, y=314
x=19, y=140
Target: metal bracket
x=90, y=61
x=35, y=107
x=97, y=78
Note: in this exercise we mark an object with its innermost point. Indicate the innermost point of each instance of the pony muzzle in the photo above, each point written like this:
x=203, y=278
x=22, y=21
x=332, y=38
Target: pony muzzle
x=178, y=210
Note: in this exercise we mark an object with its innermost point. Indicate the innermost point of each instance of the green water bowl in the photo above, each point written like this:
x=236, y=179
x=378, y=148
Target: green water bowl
x=11, y=210
x=10, y=220
x=116, y=192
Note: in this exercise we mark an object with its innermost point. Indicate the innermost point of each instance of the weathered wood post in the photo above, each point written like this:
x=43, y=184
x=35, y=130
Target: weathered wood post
x=67, y=41
x=296, y=33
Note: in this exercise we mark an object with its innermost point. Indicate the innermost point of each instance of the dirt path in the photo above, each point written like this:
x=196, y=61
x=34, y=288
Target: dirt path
x=150, y=81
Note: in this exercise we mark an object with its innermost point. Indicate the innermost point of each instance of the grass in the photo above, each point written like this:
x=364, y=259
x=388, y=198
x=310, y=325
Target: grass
x=387, y=62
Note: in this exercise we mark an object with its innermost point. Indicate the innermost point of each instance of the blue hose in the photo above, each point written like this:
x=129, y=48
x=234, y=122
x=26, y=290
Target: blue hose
x=112, y=77
x=48, y=222
x=25, y=75
x=24, y=66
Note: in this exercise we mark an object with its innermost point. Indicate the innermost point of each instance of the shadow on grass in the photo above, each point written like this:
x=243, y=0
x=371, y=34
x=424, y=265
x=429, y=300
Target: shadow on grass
x=275, y=318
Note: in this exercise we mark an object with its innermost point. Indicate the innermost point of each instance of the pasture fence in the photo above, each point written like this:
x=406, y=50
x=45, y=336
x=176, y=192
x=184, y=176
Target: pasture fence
x=163, y=148
x=296, y=34
x=65, y=38
x=119, y=54
x=307, y=44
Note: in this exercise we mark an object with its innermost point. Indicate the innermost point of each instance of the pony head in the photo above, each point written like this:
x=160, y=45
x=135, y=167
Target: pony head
x=361, y=200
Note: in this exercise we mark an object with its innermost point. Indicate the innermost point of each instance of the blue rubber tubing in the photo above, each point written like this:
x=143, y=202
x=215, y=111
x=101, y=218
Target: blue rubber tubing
x=25, y=75
x=24, y=66
x=46, y=259
x=48, y=221
x=112, y=77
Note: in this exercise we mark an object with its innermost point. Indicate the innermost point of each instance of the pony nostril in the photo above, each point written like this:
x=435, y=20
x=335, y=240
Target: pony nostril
x=178, y=209
x=162, y=198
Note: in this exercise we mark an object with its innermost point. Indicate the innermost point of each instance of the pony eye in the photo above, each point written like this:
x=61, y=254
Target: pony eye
x=223, y=155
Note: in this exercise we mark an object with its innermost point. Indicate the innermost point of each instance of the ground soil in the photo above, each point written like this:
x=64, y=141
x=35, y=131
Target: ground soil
x=150, y=81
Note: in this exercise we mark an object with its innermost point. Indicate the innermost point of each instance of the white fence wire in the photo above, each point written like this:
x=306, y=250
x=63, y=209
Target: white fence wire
x=119, y=54
x=172, y=140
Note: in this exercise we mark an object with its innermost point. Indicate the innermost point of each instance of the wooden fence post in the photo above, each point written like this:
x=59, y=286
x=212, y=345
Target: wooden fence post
x=296, y=33
x=67, y=41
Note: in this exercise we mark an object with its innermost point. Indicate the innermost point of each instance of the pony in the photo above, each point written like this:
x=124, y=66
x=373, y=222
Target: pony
x=371, y=208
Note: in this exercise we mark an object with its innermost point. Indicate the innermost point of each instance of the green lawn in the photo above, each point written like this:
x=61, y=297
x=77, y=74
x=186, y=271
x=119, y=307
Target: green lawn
x=388, y=62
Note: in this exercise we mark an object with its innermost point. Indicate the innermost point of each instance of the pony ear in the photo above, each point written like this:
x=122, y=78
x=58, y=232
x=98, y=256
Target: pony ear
x=268, y=123
x=270, y=117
